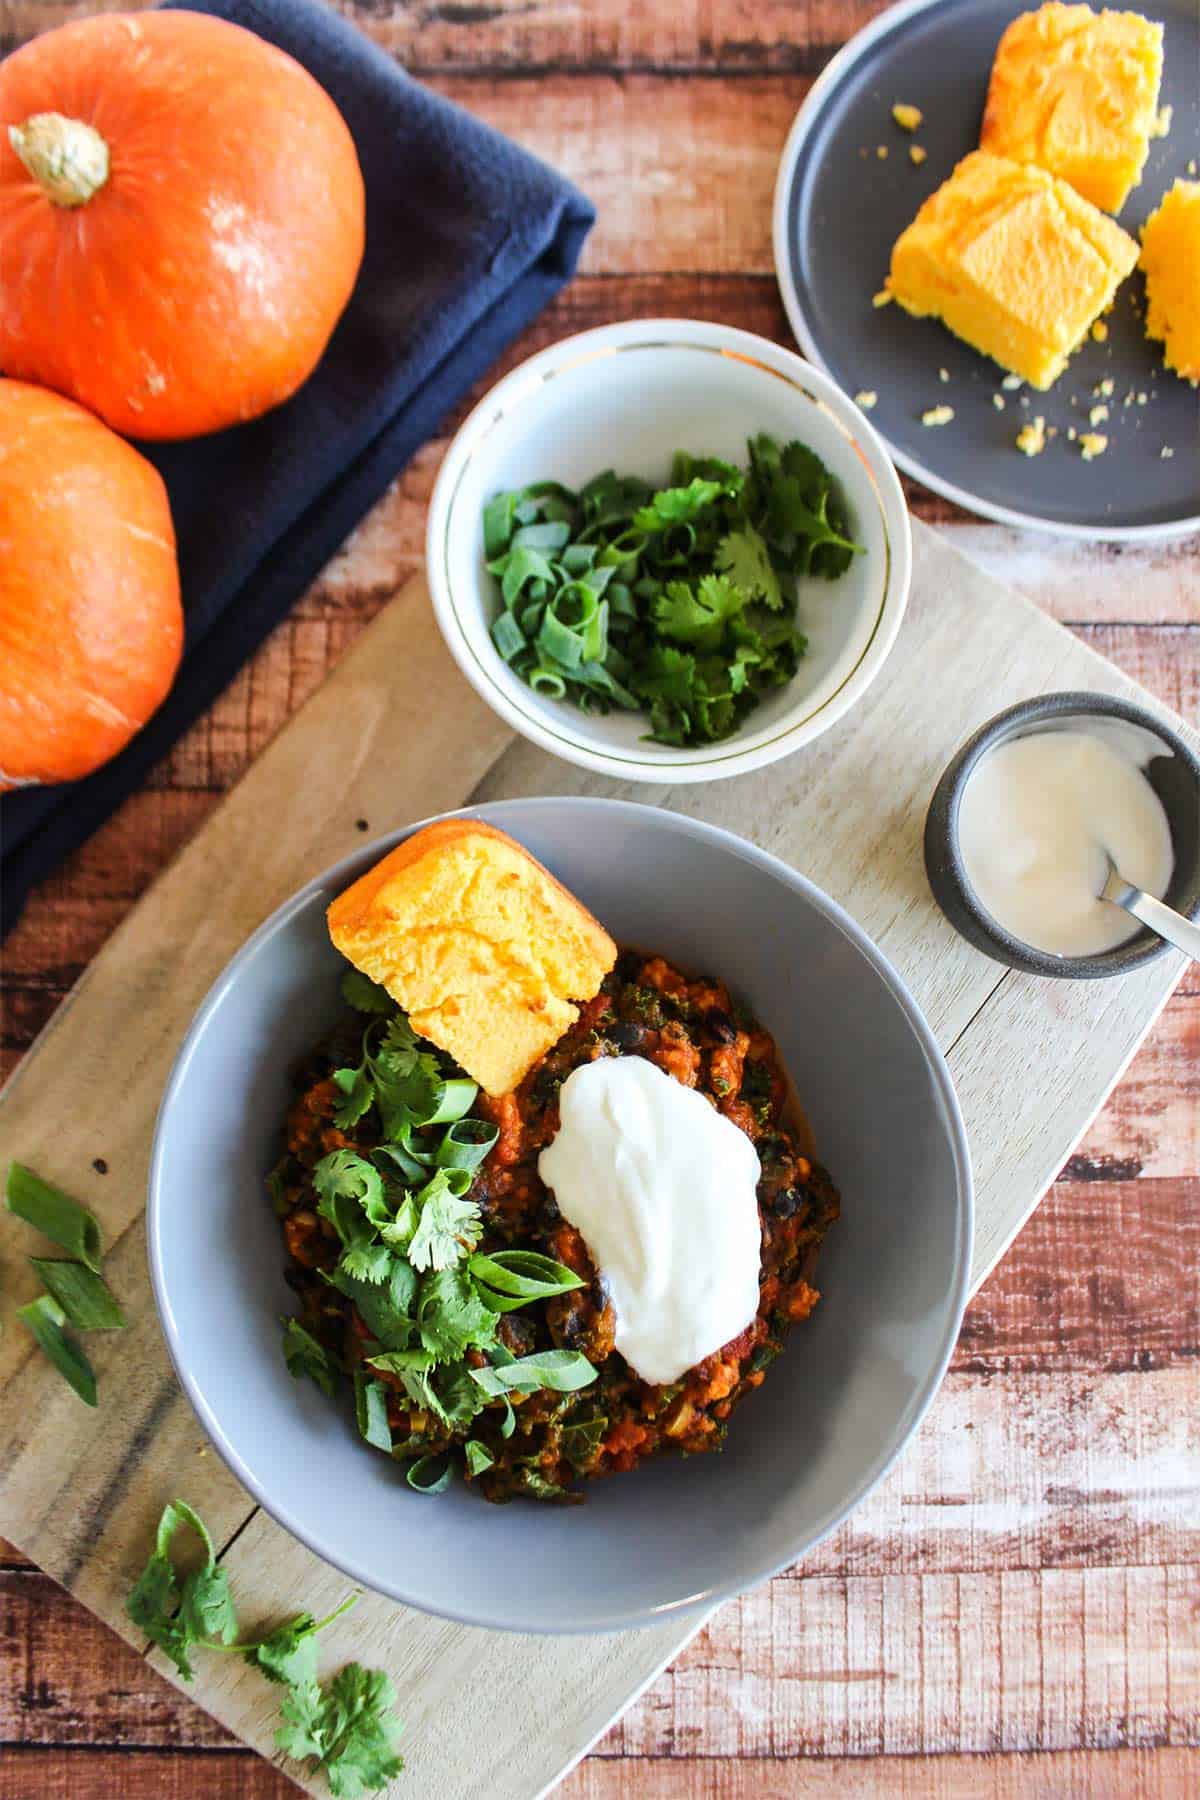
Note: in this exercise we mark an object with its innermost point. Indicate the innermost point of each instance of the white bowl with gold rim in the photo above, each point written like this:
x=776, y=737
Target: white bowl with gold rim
x=626, y=397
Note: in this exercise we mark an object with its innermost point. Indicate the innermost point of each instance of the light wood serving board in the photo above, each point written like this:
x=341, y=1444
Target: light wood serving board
x=395, y=734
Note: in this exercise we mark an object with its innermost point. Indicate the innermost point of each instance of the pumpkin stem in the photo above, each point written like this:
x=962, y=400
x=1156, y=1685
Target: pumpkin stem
x=67, y=159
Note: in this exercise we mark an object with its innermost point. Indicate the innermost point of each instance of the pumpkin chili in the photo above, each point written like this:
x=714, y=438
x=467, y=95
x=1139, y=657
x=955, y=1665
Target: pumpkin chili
x=538, y=1443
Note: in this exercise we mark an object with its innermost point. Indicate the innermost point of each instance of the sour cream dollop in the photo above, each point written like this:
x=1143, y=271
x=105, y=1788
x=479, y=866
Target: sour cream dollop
x=663, y=1189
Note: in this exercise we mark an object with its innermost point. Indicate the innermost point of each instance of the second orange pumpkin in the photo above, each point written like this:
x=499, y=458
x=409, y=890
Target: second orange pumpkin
x=181, y=220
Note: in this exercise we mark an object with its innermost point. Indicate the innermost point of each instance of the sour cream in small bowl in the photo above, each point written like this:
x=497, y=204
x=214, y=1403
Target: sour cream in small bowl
x=1025, y=816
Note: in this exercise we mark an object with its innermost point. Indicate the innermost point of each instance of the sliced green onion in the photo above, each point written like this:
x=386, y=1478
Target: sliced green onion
x=479, y=1457
x=520, y=567
x=370, y=1403
x=431, y=1474
x=45, y=1318
x=85, y=1297
x=524, y=1274
x=498, y=521
x=63, y=1220
x=452, y=1100
x=466, y=1143
x=554, y=534
x=547, y=681
x=507, y=636
x=565, y=1371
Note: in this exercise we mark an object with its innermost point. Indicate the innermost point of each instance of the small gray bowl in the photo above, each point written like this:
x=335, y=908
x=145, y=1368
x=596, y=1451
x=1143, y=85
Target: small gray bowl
x=837, y=1407
x=1175, y=778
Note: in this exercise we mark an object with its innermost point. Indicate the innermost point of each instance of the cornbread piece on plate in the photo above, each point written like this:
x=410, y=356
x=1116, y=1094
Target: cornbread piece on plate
x=479, y=944
x=1077, y=93
x=1013, y=261
x=1171, y=259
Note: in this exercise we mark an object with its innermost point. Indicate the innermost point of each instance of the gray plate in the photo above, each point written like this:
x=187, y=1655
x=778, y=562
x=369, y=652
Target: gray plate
x=837, y=1407
x=838, y=211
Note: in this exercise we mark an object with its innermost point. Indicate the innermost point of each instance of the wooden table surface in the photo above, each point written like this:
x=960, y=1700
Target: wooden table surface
x=1031, y=1630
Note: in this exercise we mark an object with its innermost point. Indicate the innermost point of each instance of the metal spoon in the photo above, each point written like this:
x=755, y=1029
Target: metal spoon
x=1161, y=919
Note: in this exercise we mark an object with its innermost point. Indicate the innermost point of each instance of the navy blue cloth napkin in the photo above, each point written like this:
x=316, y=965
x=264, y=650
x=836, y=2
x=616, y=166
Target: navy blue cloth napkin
x=468, y=237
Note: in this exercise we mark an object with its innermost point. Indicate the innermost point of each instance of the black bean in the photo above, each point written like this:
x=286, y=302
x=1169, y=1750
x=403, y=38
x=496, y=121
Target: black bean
x=721, y=1025
x=627, y=1034
x=787, y=1202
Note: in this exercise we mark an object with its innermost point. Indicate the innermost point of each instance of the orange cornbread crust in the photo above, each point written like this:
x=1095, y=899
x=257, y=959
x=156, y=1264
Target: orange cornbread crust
x=1077, y=93
x=478, y=943
x=1171, y=260
x=1013, y=261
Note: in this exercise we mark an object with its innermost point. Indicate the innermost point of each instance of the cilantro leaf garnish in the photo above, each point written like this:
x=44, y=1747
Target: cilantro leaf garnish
x=346, y=1727
x=447, y=1228
x=305, y=1356
x=452, y=1316
x=176, y=1615
x=596, y=587
x=365, y=995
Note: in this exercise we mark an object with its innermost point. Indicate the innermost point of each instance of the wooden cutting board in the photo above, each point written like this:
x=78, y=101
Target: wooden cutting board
x=394, y=735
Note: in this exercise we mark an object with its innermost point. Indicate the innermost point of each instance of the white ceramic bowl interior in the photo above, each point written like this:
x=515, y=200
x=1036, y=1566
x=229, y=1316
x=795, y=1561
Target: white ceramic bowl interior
x=626, y=397
x=836, y=1407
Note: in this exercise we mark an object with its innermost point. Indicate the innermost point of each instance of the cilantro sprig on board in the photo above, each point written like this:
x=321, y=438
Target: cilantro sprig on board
x=680, y=602
x=345, y=1725
x=430, y=1302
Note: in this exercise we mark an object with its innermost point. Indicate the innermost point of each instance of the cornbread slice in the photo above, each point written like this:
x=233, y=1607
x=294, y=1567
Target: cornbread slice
x=1012, y=260
x=479, y=944
x=1171, y=259
x=1077, y=93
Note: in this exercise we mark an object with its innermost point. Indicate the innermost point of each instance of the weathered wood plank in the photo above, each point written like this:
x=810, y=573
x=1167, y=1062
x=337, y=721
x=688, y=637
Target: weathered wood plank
x=28, y=1774
x=1118, y=1775
x=510, y=36
x=1102, y=1279
x=69, y=1680
x=1115, y=1775
x=934, y=1665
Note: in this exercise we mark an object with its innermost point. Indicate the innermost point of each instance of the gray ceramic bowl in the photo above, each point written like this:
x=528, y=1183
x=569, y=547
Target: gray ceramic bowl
x=1175, y=777
x=836, y=1408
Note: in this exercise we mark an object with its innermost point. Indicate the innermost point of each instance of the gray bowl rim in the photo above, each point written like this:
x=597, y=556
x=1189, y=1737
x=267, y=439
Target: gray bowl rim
x=943, y=857
x=720, y=840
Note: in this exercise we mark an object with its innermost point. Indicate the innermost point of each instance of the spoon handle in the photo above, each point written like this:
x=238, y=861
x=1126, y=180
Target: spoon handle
x=1162, y=919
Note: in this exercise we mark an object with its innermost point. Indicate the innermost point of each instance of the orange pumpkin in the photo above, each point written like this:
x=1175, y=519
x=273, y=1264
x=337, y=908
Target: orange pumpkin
x=90, y=623
x=181, y=220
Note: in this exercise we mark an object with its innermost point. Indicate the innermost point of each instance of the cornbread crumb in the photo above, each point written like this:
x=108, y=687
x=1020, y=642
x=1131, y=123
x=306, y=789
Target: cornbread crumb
x=1097, y=415
x=1011, y=382
x=907, y=117
x=881, y=151
x=1092, y=444
x=1072, y=433
x=1031, y=439
x=917, y=153
x=882, y=298
x=1012, y=261
x=937, y=415
x=1100, y=331
x=998, y=402
x=1192, y=167
x=1166, y=452
x=1162, y=122
x=1104, y=388
x=866, y=398
x=943, y=374
x=1141, y=399
x=1170, y=258
x=1076, y=92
